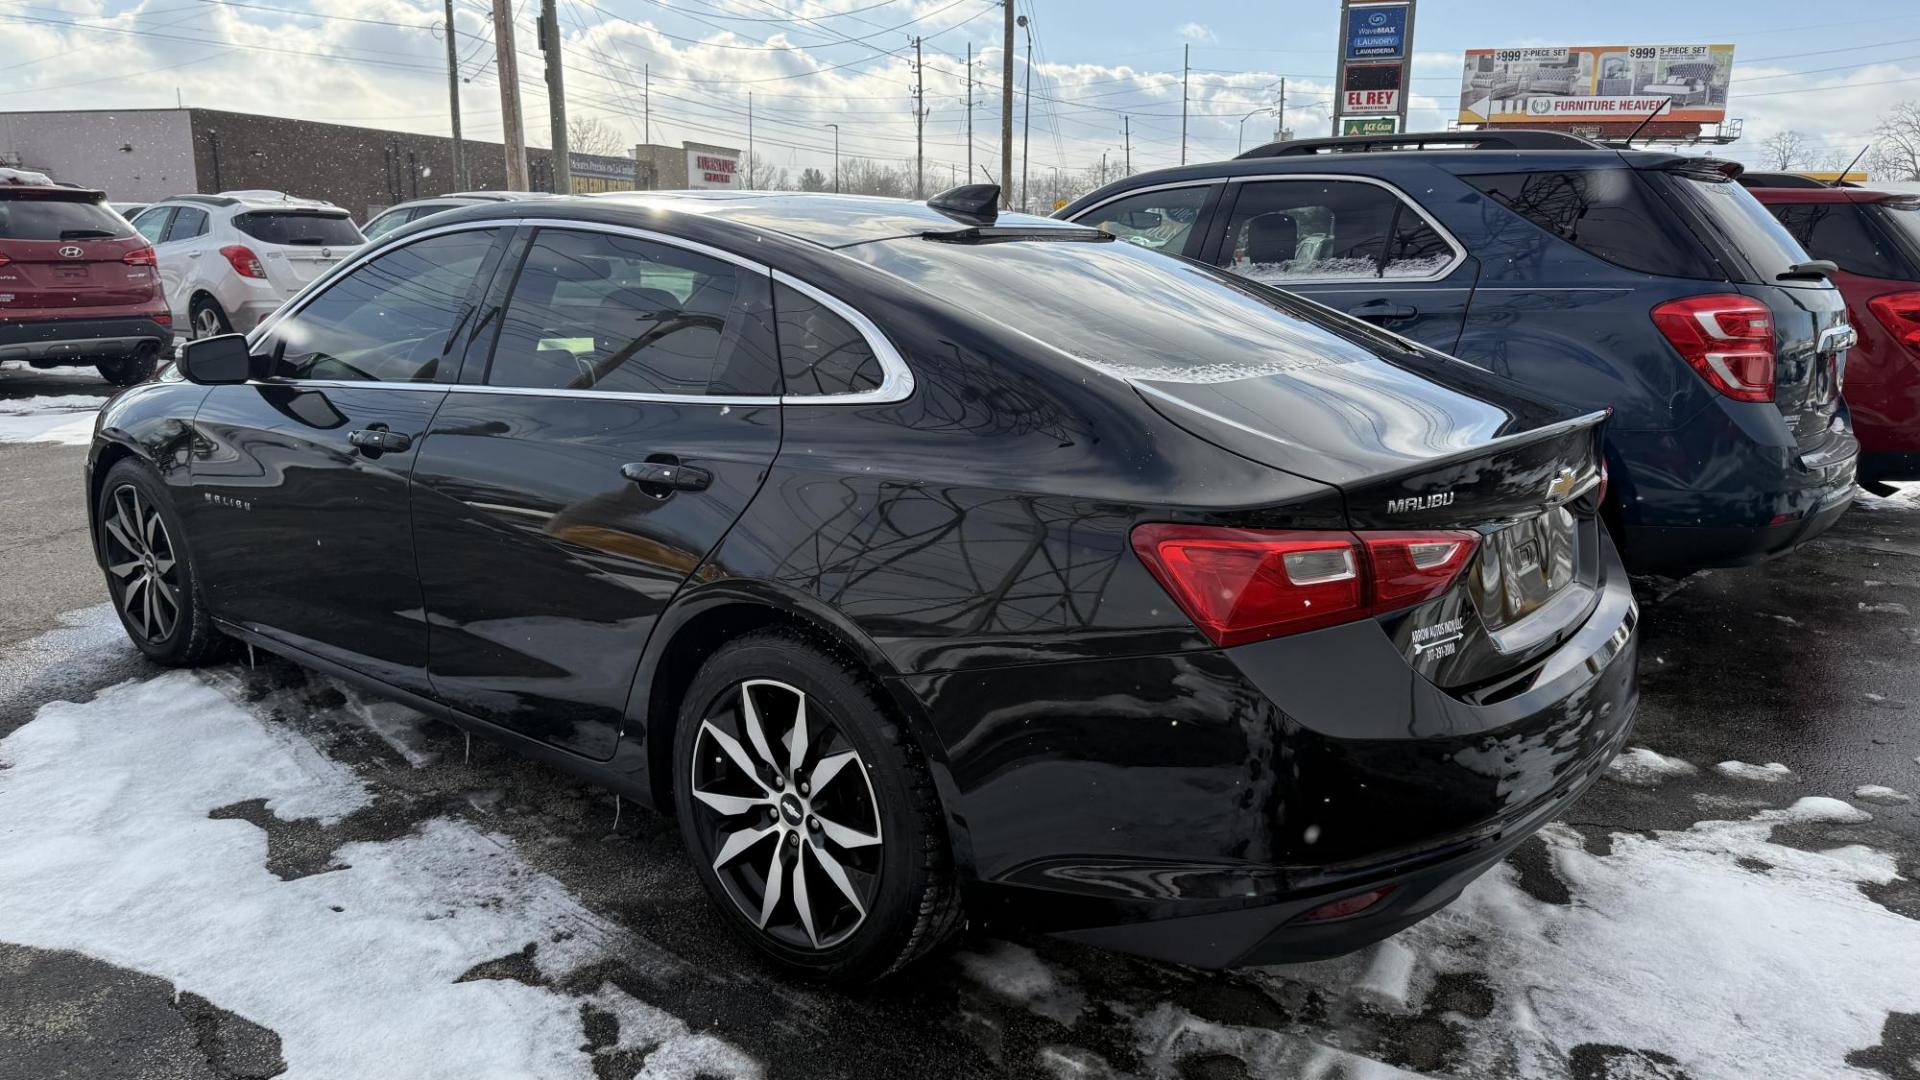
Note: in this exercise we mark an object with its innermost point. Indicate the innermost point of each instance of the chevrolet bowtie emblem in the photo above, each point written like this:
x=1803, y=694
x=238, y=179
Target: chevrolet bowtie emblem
x=1561, y=487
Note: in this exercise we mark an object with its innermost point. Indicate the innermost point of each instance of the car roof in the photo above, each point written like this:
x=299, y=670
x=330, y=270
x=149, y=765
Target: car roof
x=820, y=218
x=252, y=199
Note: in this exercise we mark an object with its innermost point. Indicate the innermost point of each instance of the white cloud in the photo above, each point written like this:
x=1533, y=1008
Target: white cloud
x=1194, y=31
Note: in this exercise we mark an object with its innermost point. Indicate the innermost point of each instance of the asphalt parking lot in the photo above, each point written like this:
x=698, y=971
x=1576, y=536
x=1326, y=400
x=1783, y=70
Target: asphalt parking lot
x=252, y=871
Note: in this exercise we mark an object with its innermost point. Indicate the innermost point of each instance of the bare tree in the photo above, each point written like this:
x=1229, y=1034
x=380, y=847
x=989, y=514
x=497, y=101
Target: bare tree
x=1785, y=151
x=812, y=179
x=763, y=175
x=592, y=135
x=1896, y=144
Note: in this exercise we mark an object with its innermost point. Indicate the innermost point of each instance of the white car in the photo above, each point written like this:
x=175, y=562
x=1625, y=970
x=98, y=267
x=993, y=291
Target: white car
x=227, y=261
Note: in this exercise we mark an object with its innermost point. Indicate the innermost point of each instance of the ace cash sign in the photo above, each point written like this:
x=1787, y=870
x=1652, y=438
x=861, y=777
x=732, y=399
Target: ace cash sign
x=1370, y=101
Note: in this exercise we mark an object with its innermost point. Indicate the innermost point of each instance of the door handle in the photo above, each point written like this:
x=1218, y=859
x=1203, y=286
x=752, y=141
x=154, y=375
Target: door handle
x=1383, y=309
x=665, y=474
x=194, y=254
x=376, y=439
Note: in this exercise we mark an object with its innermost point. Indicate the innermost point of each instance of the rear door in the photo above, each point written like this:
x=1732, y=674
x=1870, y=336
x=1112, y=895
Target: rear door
x=580, y=473
x=65, y=258
x=300, y=499
x=297, y=245
x=1355, y=244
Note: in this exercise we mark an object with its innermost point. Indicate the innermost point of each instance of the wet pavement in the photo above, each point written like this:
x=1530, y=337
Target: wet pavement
x=1807, y=662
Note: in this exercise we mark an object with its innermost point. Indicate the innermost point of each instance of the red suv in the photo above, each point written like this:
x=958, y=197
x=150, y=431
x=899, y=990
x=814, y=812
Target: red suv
x=1873, y=237
x=78, y=286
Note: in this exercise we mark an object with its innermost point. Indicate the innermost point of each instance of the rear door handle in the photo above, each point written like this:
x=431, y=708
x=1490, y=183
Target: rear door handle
x=1383, y=309
x=667, y=475
x=378, y=440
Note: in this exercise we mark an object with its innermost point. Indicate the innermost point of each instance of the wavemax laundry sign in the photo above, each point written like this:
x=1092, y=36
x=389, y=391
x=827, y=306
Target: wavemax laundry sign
x=1376, y=31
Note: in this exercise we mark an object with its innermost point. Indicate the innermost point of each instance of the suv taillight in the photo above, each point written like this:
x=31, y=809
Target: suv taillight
x=1727, y=338
x=1241, y=585
x=1900, y=313
x=243, y=260
x=3, y=259
x=140, y=257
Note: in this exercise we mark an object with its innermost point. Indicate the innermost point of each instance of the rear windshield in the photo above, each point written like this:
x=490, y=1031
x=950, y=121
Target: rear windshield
x=1902, y=223
x=1845, y=235
x=1128, y=311
x=40, y=218
x=1737, y=222
x=299, y=227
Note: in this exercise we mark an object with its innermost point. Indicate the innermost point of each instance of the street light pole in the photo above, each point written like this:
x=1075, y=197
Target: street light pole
x=1026, y=125
x=1243, y=125
x=836, y=157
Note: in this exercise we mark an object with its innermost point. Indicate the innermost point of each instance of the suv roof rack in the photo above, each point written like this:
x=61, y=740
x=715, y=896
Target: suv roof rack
x=204, y=200
x=1519, y=139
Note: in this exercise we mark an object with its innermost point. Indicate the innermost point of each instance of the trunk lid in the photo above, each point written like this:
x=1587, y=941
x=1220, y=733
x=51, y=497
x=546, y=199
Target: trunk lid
x=62, y=255
x=1427, y=443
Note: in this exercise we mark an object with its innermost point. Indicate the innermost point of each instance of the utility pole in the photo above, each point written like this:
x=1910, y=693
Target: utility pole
x=836, y=157
x=1026, y=125
x=1186, y=69
x=1280, y=114
x=556, y=97
x=1126, y=130
x=750, y=161
x=919, y=124
x=969, y=109
x=646, y=103
x=453, y=104
x=1006, y=112
x=513, y=139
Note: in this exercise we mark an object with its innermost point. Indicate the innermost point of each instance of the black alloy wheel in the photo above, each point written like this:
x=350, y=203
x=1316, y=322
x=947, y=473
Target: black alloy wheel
x=149, y=573
x=809, y=812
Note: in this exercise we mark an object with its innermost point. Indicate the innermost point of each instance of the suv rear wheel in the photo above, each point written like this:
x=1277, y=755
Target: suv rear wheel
x=209, y=319
x=809, y=812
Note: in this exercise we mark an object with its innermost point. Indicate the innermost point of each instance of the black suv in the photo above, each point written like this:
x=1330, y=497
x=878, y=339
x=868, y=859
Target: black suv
x=1650, y=283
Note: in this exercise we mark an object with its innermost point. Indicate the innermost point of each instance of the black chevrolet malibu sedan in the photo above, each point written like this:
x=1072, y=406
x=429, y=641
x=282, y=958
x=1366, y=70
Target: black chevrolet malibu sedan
x=920, y=560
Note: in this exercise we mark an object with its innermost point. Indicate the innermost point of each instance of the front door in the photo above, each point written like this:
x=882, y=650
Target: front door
x=300, y=482
x=576, y=477
x=1352, y=244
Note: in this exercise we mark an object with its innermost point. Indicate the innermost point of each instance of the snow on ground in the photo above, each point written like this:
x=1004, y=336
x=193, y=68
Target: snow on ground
x=65, y=418
x=1771, y=773
x=107, y=848
x=1642, y=767
x=1880, y=793
x=1016, y=972
x=1714, y=945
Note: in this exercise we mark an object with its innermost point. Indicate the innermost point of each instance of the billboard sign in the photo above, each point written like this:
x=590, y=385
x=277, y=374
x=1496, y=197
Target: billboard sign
x=1603, y=83
x=1370, y=125
x=1376, y=32
x=713, y=166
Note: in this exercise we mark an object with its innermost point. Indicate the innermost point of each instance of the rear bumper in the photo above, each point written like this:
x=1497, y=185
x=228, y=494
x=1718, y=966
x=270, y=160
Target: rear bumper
x=79, y=341
x=1193, y=807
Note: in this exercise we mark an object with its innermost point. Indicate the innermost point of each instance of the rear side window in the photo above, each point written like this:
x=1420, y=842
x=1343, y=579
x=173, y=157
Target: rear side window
x=299, y=228
x=1841, y=233
x=1608, y=213
x=38, y=218
x=1155, y=220
x=1288, y=231
x=594, y=311
x=820, y=352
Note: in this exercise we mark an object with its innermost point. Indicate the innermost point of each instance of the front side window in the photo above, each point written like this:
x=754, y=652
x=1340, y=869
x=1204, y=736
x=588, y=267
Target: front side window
x=152, y=224
x=391, y=320
x=1289, y=231
x=1155, y=220
x=595, y=311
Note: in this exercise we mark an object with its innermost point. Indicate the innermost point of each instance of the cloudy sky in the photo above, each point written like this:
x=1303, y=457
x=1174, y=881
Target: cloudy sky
x=1101, y=67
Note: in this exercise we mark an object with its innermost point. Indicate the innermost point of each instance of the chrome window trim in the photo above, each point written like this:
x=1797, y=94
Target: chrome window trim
x=896, y=379
x=1131, y=192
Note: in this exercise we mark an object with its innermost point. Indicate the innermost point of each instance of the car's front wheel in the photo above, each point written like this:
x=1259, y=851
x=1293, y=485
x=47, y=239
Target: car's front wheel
x=809, y=812
x=149, y=572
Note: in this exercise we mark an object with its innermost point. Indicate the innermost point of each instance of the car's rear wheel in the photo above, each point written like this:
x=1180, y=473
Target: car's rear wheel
x=128, y=370
x=149, y=572
x=209, y=318
x=809, y=812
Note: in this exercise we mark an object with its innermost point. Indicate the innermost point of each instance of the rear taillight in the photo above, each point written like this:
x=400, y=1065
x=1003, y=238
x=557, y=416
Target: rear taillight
x=164, y=318
x=1348, y=905
x=1728, y=339
x=1241, y=585
x=1900, y=314
x=244, y=261
x=140, y=257
x=4, y=260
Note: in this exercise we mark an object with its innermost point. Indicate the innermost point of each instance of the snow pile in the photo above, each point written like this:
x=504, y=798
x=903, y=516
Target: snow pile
x=1017, y=972
x=1880, y=793
x=1642, y=767
x=1771, y=773
x=1713, y=945
x=66, y=418
x=106, y=847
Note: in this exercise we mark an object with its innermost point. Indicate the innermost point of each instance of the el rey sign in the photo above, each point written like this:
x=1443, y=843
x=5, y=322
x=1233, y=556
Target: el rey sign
x=1370, y=101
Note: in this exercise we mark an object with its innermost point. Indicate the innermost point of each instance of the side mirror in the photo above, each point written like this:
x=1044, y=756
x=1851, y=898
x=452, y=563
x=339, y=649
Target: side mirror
x=218, y=360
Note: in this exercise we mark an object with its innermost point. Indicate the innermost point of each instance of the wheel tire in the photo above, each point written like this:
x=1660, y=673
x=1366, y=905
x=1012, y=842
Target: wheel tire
x=187, y=639
x=128, y=370
x=913, y=902
x=207, y=318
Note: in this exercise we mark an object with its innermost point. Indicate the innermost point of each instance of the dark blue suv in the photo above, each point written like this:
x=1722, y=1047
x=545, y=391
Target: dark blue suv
x=1648, y=282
